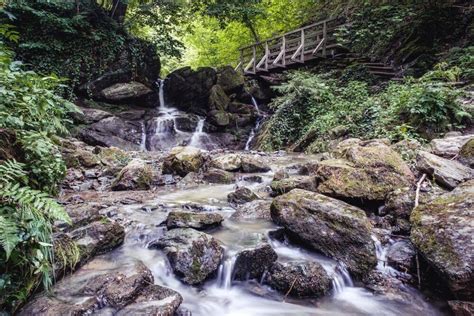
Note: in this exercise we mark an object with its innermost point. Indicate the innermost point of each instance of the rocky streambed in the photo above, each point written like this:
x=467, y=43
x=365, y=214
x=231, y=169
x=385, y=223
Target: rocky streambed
x=193, y=232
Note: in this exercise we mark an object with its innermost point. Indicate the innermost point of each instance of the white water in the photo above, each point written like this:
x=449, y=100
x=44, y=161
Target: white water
x=167, y=133
x=143, y=138
x=257, y=125
x=220, y=295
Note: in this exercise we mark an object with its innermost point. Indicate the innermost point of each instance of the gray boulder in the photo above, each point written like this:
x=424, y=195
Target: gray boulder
x=449, y=147
x=125, y=92
x=442, y=232
x=466, y=154
x=401, y=255
x=230, y=80
x=194, y=256
x=137, y=174
x=257, y=209
x=241, y=195
x=252, y=263
x=215, y=175
x=335, y=228
x=448, y=173
x=299, y=279
x=199, y=221
x=285, y=185
x=183, y=160
x=254, y=163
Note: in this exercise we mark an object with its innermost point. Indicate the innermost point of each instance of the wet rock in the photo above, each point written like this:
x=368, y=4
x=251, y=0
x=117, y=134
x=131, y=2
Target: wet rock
x=182, y=160
x=98, y=237
x=449, y=147
x=299, y=279
x=227, y=162
x=136, y=175
x=462, y=308
x=364, y=171
x=186, y=123
x=401, y=255
x=447, y=173
x=199, y=221
x=257, y=209
x=125, y=92
x=113, y=132
x=230, y=80
x=121, y=288
x=335, y=228
x=154, y=300
x=194, y=256
x=215, y=175
x=89, y=115
x=253, y=179
x=254, y=163
x=466, y=154
x=252, y=263
x=241, y=195
x=218, y=118
x=294, y=182
x=189, y=89
x=218, y=100
x=442, y=232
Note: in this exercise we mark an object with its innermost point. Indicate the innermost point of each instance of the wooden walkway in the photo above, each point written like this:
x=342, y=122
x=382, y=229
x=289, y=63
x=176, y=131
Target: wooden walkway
x=317, y=40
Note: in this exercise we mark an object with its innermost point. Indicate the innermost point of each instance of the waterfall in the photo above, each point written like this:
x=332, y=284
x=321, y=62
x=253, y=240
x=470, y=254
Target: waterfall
x=224, y=274
x=143, y=138
x=257, y=125
x=198, y=133
x=341, y=278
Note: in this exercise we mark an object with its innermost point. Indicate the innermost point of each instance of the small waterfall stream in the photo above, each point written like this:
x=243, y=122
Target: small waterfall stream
x=257, y=125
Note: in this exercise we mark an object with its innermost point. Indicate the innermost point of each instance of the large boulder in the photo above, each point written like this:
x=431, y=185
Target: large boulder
x=189, y=89
x=218, y=118
x=252, y=263
x=114, y=132
x=448, y=173
x=218, y=100
x=214, y=175
x=442, y=232
x=401, y=255
x=194, y=256
x=128, y=289
x=466, y=154
x=137, y=174
x=230, y=80
x=257, y=209
x=363, y=171
x=183, y=160
x=294, y=182
x=227, y=162
x=241, y=195
x=449, y=147
x=254, y=163
x=299, y=279
x=462, y=308
x=90, y=115
x=199, y=221
x=335, y=228
x=126, y=93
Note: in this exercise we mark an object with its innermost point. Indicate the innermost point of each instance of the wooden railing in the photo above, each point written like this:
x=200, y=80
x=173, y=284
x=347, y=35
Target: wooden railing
x=297, y=46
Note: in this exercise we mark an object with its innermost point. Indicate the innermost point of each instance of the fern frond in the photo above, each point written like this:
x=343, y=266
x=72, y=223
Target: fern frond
x=12, y=171
x=9, y=235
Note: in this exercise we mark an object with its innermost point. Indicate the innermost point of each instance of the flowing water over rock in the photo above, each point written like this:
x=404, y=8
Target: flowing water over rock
x=257, y=125
x=221, y=294
x=172, y=127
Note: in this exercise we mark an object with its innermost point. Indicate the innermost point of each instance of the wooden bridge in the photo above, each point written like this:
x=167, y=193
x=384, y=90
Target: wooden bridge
x=302, y=45
x=296, y=47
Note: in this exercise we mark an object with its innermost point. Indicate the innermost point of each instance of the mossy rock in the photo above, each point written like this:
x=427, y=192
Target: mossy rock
x=442, y=232
x=466, y=154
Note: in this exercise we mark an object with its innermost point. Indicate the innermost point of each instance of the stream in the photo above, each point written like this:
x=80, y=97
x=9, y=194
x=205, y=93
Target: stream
x=221, y=295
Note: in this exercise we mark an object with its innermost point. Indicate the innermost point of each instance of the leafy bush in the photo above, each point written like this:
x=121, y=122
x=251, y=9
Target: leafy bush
x=312, y=110
x=31, y=116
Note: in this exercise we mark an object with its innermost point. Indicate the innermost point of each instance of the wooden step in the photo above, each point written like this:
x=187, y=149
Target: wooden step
x=382, y=73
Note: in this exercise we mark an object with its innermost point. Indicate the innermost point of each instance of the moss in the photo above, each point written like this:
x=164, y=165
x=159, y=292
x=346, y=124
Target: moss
x=145, y=177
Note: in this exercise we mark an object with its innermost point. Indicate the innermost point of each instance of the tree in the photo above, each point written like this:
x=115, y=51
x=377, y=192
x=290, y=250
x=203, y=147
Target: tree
x=243, y=11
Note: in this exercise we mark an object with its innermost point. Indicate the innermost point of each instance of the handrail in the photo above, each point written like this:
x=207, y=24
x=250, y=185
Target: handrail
x=288, y=33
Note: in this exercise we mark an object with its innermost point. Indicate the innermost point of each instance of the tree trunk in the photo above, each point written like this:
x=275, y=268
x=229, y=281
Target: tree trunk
x=119, y=9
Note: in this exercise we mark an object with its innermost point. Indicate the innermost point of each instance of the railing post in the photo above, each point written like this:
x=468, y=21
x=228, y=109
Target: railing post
x=324, y=38
x=302, y=45
x=254, y=53
x=267, y=54
x=284, y=51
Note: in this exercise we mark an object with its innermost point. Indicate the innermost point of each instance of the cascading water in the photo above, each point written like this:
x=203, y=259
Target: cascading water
x=224, y=274
x=257, y=125
x=200, y=139
x=143, y=138
x=341, y=278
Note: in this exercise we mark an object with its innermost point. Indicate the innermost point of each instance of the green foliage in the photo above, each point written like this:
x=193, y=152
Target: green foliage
x=463, y=59
x=312, y=110
x=31, y=112
x=76, y=42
